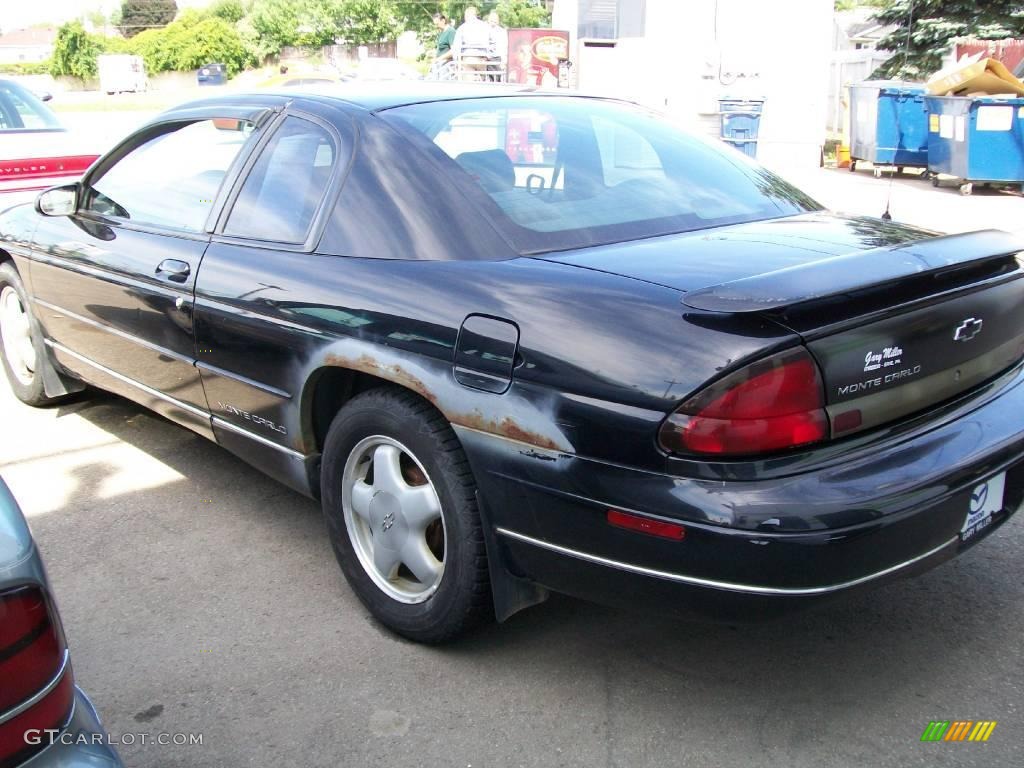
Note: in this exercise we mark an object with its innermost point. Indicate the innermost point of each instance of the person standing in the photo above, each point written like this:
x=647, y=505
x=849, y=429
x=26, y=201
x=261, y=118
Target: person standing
x=441, y=67
x=445, y=37
x=472, y=46
x=499, y=48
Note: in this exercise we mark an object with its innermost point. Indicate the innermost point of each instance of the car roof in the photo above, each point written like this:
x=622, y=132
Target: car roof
x=373, y=96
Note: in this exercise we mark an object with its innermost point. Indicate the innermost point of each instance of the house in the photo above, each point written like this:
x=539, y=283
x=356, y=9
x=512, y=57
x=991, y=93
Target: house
x=27, y=45
x=682, y=57
x=856, y=30
x=855, y=56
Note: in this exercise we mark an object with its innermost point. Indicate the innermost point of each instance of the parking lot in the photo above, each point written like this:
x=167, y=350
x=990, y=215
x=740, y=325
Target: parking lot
x=200, y=597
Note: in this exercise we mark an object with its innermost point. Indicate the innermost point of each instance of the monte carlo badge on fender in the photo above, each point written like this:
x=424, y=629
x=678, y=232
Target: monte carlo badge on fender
x=517, y=342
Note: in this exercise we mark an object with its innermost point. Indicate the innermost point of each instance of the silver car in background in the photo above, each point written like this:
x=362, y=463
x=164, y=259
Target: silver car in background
x=46, y=721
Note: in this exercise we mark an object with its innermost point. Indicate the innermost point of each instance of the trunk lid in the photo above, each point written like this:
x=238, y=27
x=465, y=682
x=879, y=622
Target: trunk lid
x=898, y=319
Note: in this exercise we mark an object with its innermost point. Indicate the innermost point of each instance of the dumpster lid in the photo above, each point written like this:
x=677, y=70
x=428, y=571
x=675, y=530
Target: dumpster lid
x=896, y=86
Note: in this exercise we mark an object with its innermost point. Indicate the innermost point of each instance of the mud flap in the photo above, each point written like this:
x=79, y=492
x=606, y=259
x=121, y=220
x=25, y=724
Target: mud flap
x=511, y=593
x=54, y=383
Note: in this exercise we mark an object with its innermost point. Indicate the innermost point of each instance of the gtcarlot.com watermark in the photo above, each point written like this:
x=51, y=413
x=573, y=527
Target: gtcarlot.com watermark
x=37, y=736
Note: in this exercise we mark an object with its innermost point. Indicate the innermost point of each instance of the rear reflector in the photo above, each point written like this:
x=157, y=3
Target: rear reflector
x=768, y=406
x=646, y=525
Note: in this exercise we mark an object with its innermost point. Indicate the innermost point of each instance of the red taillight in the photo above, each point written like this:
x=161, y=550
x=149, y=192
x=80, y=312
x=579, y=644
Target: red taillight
x=768, y=406
x=35, y=675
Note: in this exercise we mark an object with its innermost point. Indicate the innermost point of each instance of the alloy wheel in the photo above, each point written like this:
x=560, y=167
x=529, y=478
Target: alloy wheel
x=394, y=519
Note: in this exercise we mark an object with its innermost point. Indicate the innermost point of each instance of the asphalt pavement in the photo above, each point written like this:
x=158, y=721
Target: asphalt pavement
x=200, y=597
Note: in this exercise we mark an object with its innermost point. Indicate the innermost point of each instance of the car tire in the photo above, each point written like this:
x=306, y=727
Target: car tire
x=21, y=347
x=417, y=561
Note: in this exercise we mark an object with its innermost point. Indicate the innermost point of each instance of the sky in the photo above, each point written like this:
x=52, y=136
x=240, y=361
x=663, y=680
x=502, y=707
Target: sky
x=17, y=14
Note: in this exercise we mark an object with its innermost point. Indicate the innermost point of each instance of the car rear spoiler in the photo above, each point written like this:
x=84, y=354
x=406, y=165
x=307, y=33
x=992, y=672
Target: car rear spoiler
x=854, y=272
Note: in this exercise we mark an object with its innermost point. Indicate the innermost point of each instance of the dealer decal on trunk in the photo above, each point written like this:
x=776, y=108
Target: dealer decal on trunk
x=887, y=358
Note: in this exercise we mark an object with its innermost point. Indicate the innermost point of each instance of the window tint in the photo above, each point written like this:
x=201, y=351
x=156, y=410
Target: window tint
x=562, y=172
x=172, y=179
x=285, y=187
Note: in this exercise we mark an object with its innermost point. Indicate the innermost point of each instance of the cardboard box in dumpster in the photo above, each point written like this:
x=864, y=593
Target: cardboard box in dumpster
x=973, y=75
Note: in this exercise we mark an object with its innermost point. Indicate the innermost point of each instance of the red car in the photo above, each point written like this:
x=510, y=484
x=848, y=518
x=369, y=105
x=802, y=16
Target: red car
x=36, y=151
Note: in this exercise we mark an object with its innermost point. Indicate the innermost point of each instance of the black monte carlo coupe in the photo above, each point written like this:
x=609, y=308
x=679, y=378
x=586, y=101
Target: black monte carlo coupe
x=519, y=342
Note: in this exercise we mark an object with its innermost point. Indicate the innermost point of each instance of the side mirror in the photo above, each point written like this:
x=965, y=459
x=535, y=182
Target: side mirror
x=58, y=201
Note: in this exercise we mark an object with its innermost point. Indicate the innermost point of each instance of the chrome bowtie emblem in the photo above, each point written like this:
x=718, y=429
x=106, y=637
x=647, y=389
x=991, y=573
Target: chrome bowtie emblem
x=968, y=329
x=389, y=520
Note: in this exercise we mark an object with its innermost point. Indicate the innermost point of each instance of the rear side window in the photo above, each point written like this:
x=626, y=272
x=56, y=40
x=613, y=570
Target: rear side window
x=284, y=188
x=563, y=172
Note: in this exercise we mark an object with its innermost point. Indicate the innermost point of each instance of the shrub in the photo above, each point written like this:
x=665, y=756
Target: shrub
x=190, y=42
x=27, y=68
x=75, y=52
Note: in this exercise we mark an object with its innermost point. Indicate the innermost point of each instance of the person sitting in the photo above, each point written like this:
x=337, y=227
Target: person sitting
x=472, y=46
x=499, y=48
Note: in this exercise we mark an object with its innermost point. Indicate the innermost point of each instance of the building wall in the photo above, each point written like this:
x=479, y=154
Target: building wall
x=12, y=54
x=698, y=51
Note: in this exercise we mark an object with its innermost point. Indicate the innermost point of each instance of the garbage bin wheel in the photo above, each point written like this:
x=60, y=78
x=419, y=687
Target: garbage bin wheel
x=899, y=169
x=853, y=165
x=935, y=180
x=878, y=173
x=966, y=188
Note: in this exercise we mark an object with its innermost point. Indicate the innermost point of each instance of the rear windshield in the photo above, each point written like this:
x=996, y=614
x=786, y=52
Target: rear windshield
x=556, y=172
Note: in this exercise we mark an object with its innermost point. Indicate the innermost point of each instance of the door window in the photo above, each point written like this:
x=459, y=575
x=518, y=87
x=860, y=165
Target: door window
x=172, y=179
x=283, y=191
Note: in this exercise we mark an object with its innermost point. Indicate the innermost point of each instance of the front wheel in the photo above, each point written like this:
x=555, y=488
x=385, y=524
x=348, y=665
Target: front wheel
x=400, y=504
x=20, y=348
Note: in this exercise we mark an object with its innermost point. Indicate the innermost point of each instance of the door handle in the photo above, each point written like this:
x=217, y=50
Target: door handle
x=174, y=270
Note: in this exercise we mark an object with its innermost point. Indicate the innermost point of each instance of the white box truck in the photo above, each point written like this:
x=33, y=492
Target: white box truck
x=121, y=72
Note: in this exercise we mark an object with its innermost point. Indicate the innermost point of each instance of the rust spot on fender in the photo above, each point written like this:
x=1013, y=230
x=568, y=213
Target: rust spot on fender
x=453, y=400
x=394, y=373
x=506, y=427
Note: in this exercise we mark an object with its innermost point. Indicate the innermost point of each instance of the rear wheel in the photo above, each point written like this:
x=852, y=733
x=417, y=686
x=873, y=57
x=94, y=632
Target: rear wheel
x=400, y=504
x=20, y=348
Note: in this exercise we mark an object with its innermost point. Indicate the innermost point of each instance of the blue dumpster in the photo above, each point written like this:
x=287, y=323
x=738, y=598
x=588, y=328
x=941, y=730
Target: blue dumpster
x=888, y=124
x=740, y=119
x=976, y=139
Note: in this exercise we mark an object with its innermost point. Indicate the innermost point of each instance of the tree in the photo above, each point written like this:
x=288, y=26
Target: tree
x=229, y=10
x=920, y=38
x=281, y=23
x=516, y=14
x=74, y=52
x=139, y=15
x=361, y=22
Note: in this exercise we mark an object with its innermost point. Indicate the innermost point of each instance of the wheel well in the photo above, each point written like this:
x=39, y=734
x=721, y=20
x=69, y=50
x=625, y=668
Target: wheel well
x=327, y=392
x=4, y=256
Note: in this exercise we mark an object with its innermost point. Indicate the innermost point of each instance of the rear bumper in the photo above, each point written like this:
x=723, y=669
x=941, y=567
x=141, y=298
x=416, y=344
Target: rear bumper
x=82, y=744
x=889, y=509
